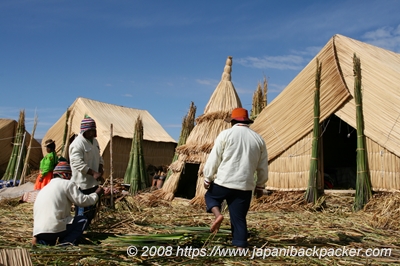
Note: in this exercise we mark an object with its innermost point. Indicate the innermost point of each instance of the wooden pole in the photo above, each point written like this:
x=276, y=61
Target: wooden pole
x=111, y=166
x=65, y=133
x=24, y=170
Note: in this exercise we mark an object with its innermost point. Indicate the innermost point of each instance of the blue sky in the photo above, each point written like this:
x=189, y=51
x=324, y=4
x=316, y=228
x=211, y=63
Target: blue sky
x=161, y=55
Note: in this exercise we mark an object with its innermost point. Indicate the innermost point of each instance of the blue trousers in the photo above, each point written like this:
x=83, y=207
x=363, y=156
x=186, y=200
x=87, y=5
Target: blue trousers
x=88, y=212
x=70, y=236
x=238, y=205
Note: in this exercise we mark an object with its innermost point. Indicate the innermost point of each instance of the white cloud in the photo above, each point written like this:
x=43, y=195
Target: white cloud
x=108, y=85
x=385, y=37
x=127, y=95
x=309, y=51
x=292, y=62
x=210, y=82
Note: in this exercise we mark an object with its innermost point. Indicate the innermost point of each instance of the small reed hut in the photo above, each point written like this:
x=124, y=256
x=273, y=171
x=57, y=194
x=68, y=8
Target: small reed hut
x=286, y=124
x=187, y=177
x=158, y=145
x=8, y=131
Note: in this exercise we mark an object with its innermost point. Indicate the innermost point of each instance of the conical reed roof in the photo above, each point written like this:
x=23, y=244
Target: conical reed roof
x=201, y=140
x=224, y=97
x=223, y=100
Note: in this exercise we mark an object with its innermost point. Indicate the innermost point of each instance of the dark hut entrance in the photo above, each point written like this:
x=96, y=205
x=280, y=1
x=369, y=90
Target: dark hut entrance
x=188, y=181
x=339, y=151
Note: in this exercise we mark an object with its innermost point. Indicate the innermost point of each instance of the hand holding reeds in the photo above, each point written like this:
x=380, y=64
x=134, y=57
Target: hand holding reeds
x=99, y=191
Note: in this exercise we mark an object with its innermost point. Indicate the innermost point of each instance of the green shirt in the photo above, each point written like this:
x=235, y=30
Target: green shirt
x=48, y=163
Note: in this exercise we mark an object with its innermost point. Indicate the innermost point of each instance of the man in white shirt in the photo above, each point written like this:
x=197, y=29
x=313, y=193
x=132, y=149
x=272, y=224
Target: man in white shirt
x=53, y=222
x=86, y=164
x=238, y=153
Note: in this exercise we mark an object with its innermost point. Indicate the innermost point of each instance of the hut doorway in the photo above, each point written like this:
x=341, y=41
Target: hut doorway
x=188, y=181
x=340, y=154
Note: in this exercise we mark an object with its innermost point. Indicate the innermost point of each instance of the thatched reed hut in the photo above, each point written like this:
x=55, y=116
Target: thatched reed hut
x=286, y=123
x=158, y=145
x=187, y=177
x=8, y=130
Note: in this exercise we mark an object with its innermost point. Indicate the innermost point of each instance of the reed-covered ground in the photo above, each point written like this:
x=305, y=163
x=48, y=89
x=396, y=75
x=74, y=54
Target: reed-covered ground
x=280, y=221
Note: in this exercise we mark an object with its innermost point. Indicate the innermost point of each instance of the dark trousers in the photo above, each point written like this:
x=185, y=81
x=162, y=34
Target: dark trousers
x=238, y=203
x=88, y=212
x=70, y=236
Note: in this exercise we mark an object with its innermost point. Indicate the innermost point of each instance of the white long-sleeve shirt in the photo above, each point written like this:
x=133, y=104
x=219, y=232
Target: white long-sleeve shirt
x=52, y=207
x=237, y=154
x=84, y=155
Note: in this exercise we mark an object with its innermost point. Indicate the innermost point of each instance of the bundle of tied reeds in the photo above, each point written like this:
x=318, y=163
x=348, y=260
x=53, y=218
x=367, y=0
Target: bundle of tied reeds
x=312, y=189
x=259, y=100
x=18, y=154
x=187, y=127
x=363, y=182
x=136, y=174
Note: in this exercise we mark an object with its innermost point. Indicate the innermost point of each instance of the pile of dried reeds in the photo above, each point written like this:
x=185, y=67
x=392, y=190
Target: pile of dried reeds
x=385, y=208
x=284, y=222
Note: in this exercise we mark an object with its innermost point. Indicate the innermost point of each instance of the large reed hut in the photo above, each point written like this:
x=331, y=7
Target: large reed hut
x=158, y=145
x=187, y=177
x=8, y=131
x=286, y=123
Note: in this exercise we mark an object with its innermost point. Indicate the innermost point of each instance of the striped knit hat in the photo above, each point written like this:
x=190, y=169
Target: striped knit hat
x=87, y=124
x=62, y=170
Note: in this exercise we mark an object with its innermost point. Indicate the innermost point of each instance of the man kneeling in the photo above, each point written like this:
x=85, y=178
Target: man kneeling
x=53, y=223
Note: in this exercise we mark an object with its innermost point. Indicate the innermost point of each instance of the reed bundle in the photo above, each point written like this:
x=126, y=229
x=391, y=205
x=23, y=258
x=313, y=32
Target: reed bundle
x=14, y=167
x=15, y=257
x=136, y=174
x=312, y=189
x=259, y=100
x=363, y=182
x=187, y=127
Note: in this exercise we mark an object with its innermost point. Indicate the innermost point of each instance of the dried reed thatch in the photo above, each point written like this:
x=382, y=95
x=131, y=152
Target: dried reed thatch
x=15, y=257
x=158, y=145
x=201, y=140
x=286, y=123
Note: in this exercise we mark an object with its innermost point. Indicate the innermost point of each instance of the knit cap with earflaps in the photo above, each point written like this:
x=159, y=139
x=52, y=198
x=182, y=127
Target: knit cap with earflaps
x=63, y=170
x=87, y=123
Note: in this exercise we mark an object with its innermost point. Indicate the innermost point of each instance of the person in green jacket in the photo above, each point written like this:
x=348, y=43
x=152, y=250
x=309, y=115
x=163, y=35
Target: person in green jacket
x=47, y=165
